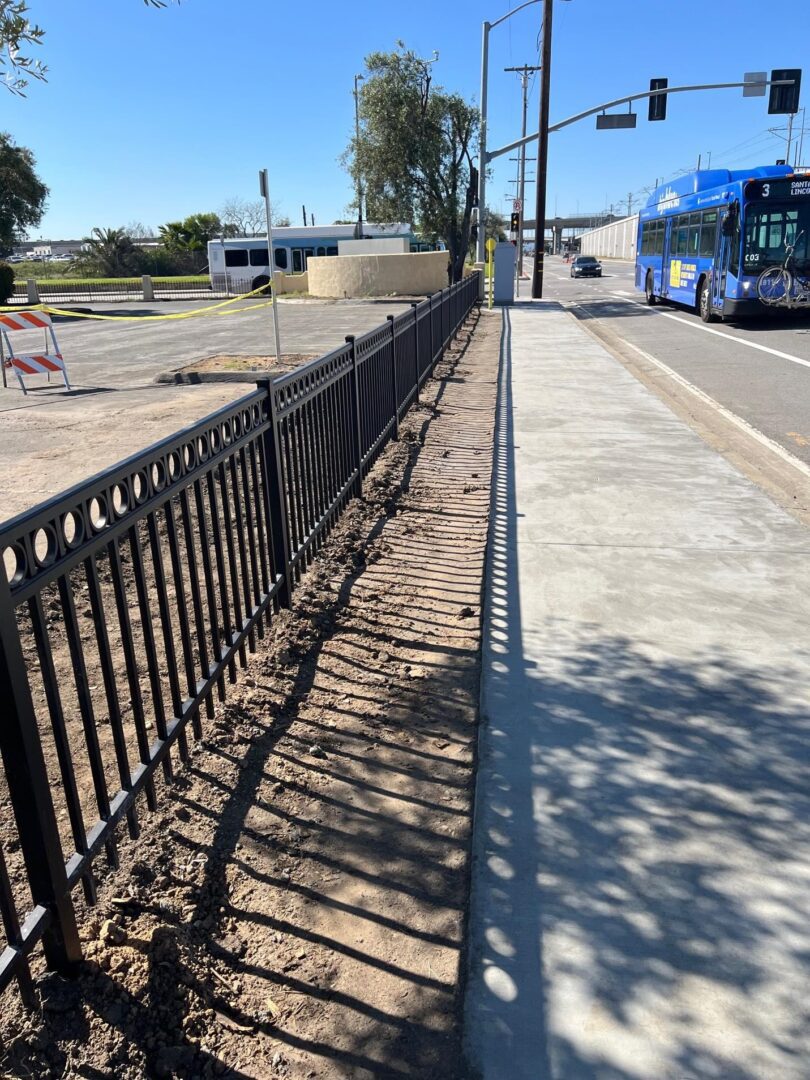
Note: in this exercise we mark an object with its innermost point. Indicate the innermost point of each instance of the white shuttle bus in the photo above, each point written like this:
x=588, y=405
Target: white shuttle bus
x=240, y=265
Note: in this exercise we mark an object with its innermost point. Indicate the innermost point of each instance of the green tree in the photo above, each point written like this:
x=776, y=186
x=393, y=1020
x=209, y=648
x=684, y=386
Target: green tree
x=17, y=33
x=109, y=253
x=191, y=235
x=494, y=225
x=414, y=151
x=22, y=193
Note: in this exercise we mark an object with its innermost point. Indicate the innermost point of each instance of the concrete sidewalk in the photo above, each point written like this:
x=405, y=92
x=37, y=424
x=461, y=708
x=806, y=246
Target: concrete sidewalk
x=642, y=836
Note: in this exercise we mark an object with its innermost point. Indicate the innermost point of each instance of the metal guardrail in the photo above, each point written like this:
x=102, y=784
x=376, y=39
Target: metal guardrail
x=124, y=289
x=128, y=600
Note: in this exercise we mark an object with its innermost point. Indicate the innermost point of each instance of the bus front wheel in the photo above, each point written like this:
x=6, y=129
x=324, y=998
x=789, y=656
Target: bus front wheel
x=652, y=299
x=704, y=302
x=262, y=282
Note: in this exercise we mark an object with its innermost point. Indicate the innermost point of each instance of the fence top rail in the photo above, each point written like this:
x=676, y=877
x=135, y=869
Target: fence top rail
x=302, y=382
x=311, y=368
x=40, y=544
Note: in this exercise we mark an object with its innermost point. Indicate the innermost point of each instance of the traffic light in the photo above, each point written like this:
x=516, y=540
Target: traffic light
x=658, y=103
x=514, y=224
x=785, y=99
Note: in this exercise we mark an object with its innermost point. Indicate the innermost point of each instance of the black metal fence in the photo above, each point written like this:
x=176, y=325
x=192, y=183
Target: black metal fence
x=128, y=601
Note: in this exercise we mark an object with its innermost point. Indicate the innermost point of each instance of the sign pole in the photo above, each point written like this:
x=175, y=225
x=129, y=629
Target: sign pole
x=265, y=192
x=490, y=246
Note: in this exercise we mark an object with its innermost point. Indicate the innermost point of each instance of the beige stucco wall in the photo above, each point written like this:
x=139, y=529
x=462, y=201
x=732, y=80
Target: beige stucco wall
x=286, y=283
x=378, y=275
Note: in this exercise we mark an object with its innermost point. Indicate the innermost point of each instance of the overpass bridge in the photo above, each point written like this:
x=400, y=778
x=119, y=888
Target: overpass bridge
x=575, y=224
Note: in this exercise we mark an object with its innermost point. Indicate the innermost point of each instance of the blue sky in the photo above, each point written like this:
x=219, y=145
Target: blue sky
x=151, y=115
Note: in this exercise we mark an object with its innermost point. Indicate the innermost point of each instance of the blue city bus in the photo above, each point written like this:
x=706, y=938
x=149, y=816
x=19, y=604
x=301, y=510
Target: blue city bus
x=705, y=238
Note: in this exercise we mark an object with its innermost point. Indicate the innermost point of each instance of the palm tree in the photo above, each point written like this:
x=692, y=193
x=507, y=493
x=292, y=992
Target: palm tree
x=110, y=253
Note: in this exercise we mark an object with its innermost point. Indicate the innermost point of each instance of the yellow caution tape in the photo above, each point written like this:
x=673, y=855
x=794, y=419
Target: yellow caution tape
x=211, y=309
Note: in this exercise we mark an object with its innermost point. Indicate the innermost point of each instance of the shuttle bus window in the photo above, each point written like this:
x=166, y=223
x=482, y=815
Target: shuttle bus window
x=236, y=257
x=280, y=255
x=298, y=260
x=258, y=256
x=331, y=251
x=321, y=251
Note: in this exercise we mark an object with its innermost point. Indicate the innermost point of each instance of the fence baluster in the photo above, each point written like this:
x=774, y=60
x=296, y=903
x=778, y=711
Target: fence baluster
x=355, y=416
x=30, y=795
x=395, y=390
x=415, y=353
x=276, y=498
x=130, y=660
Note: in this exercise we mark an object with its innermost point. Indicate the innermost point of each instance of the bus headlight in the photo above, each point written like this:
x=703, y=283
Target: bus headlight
x=746, y=286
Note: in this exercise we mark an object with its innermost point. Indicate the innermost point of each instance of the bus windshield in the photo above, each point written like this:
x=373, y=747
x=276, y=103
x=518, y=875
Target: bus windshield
x=770, y=228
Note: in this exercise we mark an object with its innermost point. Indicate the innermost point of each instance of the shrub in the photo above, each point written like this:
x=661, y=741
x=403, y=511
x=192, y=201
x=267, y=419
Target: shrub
x=6, y=282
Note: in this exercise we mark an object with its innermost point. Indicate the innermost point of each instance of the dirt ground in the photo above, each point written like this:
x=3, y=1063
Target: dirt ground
x=296, y=906
x=220, y=362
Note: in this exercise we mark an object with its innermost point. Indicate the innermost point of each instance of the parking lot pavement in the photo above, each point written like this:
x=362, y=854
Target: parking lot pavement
x=51, y=439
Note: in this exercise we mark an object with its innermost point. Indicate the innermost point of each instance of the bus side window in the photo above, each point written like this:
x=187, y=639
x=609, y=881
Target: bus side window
x=321, y=251
x=298, y=260
x=280, y=255
x=236, y=257
x=660, y=233
x=708, y=233
x=693, y=243
x=332, y=251
x=258, y=256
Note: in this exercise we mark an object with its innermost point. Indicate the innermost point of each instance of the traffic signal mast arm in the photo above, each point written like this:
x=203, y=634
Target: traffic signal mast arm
x=492, y=154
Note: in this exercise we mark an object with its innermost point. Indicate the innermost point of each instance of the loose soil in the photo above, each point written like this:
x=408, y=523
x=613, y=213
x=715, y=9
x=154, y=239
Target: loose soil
x=288, y=362
x=296, y=906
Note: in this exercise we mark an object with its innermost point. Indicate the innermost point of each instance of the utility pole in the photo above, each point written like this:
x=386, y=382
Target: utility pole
x=524, y=73
x=358, y=229
x=630, y=204
x=789, y=136
x=542, y=153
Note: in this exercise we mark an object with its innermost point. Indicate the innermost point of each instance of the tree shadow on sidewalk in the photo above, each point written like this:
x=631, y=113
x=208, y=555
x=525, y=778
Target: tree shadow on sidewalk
x=639, y=904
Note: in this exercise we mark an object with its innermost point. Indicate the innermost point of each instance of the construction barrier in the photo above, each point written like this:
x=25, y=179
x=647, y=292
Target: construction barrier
x=48, y=362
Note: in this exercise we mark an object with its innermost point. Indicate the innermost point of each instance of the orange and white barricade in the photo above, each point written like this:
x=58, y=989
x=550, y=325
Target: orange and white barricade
x=47, y=362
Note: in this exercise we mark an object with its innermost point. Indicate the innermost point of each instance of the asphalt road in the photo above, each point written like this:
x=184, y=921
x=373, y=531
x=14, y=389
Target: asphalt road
x=758, y=370
x=50, y=439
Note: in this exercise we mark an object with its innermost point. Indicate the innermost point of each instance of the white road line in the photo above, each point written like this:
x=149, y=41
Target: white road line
x=717, y=333
x=738, y=421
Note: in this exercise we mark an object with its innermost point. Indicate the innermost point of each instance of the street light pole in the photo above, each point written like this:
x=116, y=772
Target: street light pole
x=264, y=189
x=482, y=134
x=359, y=227
x=524, y=73
x=482, y=147
x=542, y=154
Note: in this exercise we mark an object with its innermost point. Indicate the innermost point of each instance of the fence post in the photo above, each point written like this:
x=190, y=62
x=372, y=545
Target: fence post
x=358, y=444
x=30, y=796
x=390, y=319
x=148, y=287
x=415, y=352
x=32, y=291
x=432, y=343
x=274, y=480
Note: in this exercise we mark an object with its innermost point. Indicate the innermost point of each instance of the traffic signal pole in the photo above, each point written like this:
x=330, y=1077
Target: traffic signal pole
x=542, y=154
x=524, y=73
